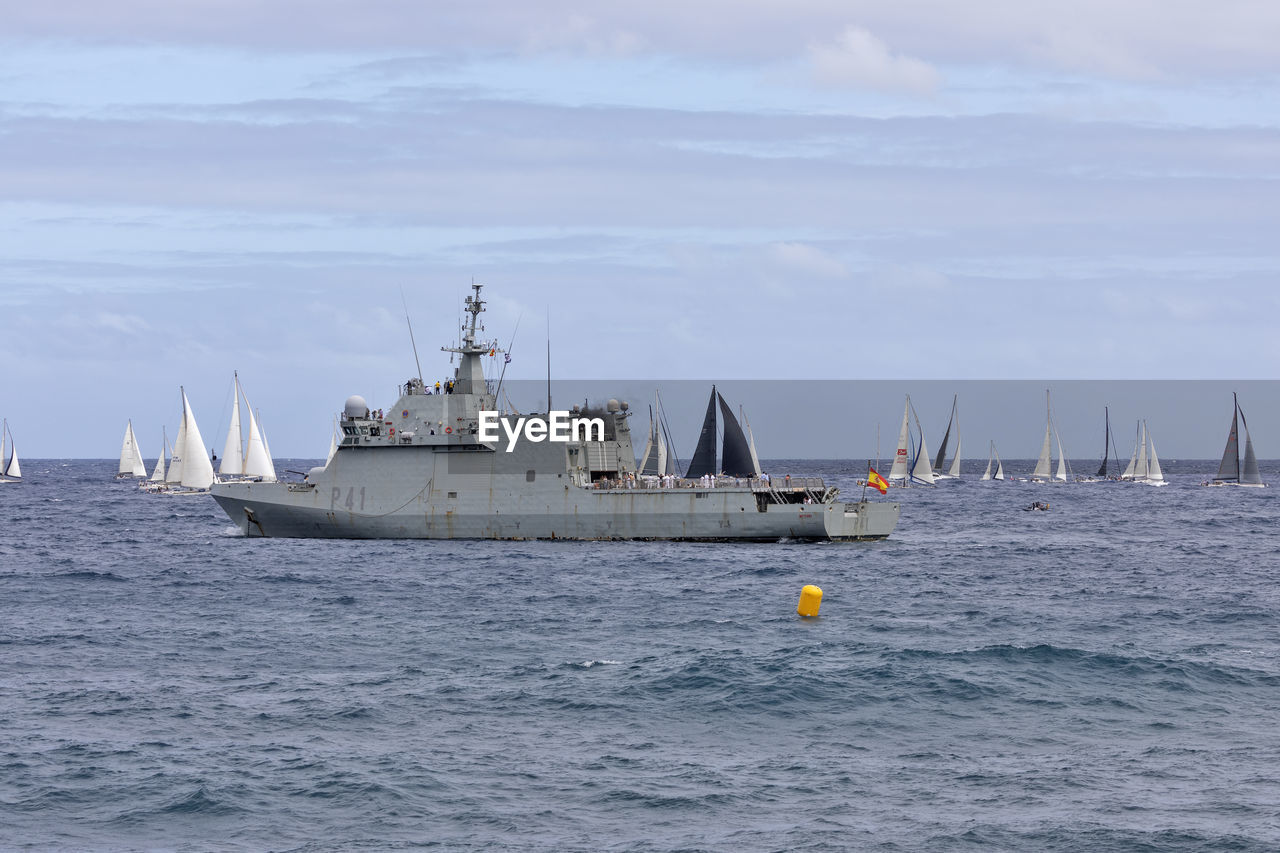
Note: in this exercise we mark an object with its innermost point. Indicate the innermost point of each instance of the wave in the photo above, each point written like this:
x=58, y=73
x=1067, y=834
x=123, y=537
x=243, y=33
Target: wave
x=88, y=575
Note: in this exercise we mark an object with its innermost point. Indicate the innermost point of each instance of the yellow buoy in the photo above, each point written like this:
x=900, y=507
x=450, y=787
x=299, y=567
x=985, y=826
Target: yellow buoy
x=810, y=600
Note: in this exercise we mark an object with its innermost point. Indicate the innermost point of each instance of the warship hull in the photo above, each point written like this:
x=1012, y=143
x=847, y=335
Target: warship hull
x=395, y=500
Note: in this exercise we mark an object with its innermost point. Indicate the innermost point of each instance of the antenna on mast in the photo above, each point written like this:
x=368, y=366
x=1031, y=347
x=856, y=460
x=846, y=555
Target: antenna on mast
x=506, y=359
x=411, y=340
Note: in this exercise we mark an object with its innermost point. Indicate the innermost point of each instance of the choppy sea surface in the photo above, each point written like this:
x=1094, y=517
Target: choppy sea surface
x=1102, y=676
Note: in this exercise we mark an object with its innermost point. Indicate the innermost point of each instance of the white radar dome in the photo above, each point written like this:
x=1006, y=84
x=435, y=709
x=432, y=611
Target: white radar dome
x=356, y=406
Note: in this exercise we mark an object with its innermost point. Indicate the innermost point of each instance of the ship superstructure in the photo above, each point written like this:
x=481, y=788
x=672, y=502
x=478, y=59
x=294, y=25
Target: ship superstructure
x=448, y=464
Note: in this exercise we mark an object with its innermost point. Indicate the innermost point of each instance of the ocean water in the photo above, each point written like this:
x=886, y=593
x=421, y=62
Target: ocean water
x=1102, y=676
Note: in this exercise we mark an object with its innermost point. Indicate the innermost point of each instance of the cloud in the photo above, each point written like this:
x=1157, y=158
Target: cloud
x=1139, y=38
x=859, y=60
x=807, y=261
x=128, y=324
x=578, y=33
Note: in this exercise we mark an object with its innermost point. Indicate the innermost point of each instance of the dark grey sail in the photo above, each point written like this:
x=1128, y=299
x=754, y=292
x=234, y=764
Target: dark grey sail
x=946, y=437
x=736, y=458
x=1106, y=438
x=1229, y=468
x=704, y=455
x=1249, y=475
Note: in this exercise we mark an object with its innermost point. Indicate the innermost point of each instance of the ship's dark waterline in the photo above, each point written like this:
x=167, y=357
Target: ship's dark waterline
x=1105, y=675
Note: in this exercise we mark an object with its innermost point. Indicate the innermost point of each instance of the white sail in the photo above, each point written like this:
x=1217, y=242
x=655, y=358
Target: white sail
x=1131, y=470
x=1154, y=473
x=1062, y=460
x=954, y=470
x=1139, y=471
x=139, y=464
x=986, y=475
x=649, y=461
x=157, y=476
x=265, y=444
x=178, y=451
x=12, y=469
x=1042, y=464
x=922, y=471
x=131, y=464
x=643, y=465
x=125, y=468
x=999, y=475
x=1249, y=474
x=197, y=470
x=898, y=471
x=232, y=456
x=257, y=459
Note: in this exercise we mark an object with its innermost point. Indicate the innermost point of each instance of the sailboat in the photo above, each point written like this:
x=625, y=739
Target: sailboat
x=1044, y=466
x=245, y=459
x=12, y=471
x=155, y=482
x=1230, y=470
x=735, y=457
x=1144, y=466
x=953, y=472
x=131, y=464
x=655, y=461
x=1108, y=452
x=190, y=469
x=898, y=470
x=999, y=472
x=911, y=464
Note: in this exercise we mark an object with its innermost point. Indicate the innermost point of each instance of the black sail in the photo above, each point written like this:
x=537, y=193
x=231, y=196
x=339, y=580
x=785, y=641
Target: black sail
x=704, y=455
x=736, y=458
x=946, y=437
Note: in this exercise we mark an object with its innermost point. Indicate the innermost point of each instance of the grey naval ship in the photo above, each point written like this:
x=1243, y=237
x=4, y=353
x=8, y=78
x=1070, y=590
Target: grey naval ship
x=449, y=465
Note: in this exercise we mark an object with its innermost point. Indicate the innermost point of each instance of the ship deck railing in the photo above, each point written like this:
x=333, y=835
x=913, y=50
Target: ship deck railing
x=796, y=489
x=756, y=484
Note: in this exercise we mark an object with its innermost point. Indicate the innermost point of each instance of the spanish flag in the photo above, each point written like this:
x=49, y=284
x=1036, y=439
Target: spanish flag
x=876, y=481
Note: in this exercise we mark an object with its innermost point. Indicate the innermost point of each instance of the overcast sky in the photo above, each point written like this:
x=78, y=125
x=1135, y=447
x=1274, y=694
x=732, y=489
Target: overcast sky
x=810, y=189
